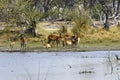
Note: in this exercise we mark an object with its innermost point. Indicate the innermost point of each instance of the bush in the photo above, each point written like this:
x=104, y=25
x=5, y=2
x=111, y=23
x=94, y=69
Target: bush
x=63, y=29
x=81, y=24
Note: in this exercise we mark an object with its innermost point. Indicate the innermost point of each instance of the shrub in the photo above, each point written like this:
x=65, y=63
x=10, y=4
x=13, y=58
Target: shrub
x=81, y=24
x=63, y=29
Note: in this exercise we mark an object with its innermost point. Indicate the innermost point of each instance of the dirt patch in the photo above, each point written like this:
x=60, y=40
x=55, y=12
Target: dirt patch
x=56, y=25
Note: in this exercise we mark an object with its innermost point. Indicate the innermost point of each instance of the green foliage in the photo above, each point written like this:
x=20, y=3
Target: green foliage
x=96, y=10
x=3, y=4
x=81, y=24
x=26, y=11
x=69, y=14
x=54, y=13
x=20, y=11
x=63, y=29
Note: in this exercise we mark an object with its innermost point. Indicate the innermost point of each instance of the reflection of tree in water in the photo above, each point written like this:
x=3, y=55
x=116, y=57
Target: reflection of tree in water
x=113, y=65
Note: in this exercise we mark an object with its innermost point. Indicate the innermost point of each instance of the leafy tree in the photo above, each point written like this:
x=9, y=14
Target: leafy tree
x=22, y=12
x=3, y=9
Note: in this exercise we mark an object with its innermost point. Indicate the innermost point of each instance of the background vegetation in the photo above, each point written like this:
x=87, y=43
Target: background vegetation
x=94, y=20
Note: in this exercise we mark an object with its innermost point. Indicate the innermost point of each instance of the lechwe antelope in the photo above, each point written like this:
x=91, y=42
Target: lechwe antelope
x=54, y=39
x=45, y=44
x=23, y=42
x=70, y=40
x=75, y=39
x=12, y=42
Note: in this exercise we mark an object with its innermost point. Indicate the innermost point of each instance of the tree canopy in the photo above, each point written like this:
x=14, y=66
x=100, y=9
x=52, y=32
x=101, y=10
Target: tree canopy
x=36, y=10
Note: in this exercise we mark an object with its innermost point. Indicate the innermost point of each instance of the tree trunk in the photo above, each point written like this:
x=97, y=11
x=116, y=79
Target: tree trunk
x=85, y=4
x=113, y=1
x=33, y=24
x=118, y=5
x=91, y=5
x=106, y=24
x=106, y=11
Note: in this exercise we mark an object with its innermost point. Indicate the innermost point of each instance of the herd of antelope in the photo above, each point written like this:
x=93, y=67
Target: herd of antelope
x=51, y=40
x=23, y=42
x=65, y=39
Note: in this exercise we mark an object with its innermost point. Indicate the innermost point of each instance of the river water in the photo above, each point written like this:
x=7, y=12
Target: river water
x=95, y=65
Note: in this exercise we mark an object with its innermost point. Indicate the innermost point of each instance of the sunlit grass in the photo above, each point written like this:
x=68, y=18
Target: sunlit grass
x=93, y=38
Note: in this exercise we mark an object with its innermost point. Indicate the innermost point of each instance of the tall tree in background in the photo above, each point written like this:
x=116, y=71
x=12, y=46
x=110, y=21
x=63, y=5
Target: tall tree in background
x=25, y=12
x=113, y=1
x=118, y=6
x=106, y=11
x=4, y=7
x=34, y=10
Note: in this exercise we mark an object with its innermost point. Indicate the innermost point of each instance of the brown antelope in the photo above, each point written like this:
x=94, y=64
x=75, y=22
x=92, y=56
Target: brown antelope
x=11, y=42
x=75, y=39
x=70, y=40
x=45, y=44
x=66, y=39
x=23, y=42
x=54, y=38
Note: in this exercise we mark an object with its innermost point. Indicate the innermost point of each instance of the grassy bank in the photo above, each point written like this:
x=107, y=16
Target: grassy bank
x=95, y=39
x=83, y=46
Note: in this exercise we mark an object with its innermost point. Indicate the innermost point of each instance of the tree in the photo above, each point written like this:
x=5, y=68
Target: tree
x=22, y=11
x=118, y=5
x=113, y=1
x=3, y=10
x=106, y=11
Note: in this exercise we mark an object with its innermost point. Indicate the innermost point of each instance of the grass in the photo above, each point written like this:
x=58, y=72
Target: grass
x=83, y=44
x=93, y=38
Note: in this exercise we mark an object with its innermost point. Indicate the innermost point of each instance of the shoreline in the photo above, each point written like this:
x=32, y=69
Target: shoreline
x=89, y=49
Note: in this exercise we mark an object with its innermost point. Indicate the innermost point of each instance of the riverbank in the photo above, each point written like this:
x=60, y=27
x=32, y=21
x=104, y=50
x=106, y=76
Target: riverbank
x=93, y=40
x=73, y=49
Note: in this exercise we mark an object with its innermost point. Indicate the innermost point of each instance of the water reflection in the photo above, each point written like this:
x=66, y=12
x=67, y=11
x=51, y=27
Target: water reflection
x=97, y=65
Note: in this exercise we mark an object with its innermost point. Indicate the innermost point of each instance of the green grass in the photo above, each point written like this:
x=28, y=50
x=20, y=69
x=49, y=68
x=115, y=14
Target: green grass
x=98, y=38
x=37, y=45
x=98, y=44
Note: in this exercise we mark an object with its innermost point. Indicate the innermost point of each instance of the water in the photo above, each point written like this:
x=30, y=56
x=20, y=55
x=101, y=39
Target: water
x=59, y=66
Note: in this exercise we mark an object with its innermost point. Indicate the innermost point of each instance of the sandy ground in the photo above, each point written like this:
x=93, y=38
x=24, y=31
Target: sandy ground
x=55, y=25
